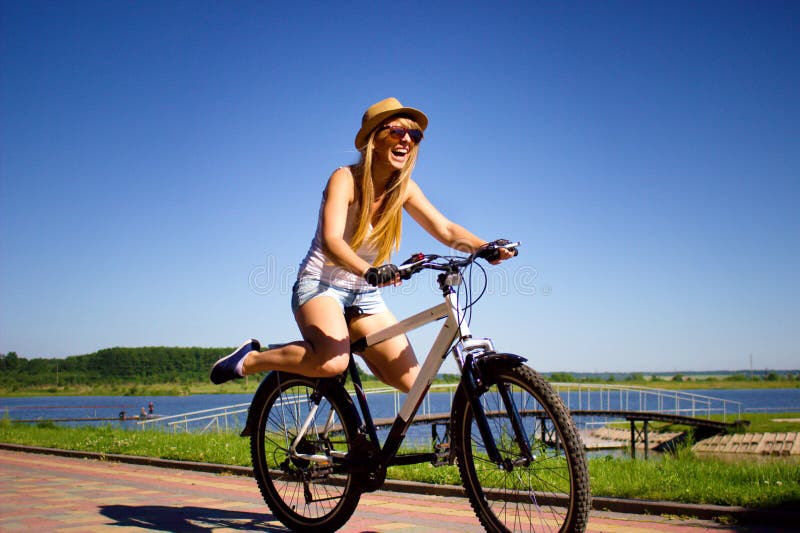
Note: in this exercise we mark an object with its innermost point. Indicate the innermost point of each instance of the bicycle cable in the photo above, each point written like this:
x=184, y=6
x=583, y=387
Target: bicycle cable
x=468, y=292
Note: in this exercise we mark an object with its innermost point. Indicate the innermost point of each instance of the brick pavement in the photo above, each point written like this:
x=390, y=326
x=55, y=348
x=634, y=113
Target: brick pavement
x=51, y=493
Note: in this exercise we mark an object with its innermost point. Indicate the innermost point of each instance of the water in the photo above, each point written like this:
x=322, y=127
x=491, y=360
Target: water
x=761, y=400
x=109, y=408
x=382, y=405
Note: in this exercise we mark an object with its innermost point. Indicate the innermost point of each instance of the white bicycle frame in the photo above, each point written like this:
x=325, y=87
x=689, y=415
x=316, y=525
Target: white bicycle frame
x=453, y=327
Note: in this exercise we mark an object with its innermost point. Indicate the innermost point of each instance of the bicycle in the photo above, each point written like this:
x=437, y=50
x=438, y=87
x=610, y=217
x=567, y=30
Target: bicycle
x=519, y=455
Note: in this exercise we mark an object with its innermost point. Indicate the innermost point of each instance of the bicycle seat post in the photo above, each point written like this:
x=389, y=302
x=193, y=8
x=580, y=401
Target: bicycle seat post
x=351, y=313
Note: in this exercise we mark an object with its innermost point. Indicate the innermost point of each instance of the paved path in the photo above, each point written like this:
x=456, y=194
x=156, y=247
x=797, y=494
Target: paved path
x=51, y=493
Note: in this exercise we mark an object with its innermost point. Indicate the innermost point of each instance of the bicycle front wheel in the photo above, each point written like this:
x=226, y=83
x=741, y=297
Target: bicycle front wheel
x=545, y=490
x=299, y=479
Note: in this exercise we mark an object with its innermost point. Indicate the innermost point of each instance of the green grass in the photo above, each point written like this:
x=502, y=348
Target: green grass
x=222, y=448
x=767, y=422
x=425, y=473
x=758, y=423
x=244, y=386
x=250, y=384
x=681, y=477
x=684, y=477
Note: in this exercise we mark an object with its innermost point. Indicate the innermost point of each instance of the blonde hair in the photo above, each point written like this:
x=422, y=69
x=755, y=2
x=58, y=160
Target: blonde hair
x=388, y=229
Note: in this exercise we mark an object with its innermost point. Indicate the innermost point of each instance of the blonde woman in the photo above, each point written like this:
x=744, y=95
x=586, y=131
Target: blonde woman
x=359, y=227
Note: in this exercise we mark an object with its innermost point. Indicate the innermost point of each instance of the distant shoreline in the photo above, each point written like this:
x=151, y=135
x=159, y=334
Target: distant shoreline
x=248, y=386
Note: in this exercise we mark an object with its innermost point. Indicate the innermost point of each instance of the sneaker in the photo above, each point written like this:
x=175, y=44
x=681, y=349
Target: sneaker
x=225, y=368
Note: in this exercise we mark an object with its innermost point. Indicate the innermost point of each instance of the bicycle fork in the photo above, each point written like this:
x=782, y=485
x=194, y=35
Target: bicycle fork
x=469, y=377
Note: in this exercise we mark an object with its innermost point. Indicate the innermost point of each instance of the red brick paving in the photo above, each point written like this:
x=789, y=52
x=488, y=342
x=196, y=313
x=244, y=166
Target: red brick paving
x=51, y=493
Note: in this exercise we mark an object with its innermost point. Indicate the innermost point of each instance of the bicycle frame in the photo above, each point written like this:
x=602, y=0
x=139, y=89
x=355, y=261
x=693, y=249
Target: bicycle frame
x=454, y=336
x=452, y=328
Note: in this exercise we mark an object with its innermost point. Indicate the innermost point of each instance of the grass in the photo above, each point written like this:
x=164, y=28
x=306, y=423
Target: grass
x=221, y=448
x=250, y=384
x=684, y=477
x=245, y=386
x=758, y=423
x=770, y=422
x=681, y=477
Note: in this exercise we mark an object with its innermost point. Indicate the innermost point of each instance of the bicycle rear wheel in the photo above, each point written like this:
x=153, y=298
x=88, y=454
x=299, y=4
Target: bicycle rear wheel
x=305, y=495
x=549, y=492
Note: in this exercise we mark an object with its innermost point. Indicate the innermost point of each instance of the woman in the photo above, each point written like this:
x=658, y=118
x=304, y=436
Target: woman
x=359, y=227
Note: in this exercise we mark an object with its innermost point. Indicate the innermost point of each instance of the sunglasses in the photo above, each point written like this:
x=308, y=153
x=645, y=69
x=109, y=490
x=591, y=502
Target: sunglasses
x=398, y=132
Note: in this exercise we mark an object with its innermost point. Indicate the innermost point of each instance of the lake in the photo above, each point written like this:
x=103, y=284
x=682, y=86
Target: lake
x=108, y=408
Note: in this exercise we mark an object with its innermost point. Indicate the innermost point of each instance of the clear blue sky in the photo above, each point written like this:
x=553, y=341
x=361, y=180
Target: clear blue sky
x=162, y=165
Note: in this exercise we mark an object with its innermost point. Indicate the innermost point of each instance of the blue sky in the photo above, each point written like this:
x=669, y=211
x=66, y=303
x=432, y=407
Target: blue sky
x=161, y=167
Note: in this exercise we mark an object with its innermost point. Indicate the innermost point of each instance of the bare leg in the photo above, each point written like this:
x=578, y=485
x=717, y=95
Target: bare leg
x=323, y=352
x=393, y=360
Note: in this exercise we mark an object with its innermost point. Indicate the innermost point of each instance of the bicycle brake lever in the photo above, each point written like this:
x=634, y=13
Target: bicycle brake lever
x=411, y=265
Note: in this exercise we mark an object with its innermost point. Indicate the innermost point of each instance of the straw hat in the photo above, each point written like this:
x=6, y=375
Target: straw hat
x=377, y=113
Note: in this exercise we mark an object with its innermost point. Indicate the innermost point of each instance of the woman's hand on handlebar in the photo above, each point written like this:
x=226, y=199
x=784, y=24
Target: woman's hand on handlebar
x=383, y=275
x=505, y=253
x=496, y=252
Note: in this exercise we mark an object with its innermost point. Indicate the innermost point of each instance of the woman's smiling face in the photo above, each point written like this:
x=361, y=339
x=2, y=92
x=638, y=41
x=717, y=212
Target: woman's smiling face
x=391, y=149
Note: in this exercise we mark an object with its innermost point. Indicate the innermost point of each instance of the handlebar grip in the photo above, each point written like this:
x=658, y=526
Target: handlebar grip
x=381, y=275
x=491, y=252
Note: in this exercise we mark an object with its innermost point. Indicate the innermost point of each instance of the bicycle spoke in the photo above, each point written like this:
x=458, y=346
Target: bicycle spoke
x=523, y=493
x=299, y=488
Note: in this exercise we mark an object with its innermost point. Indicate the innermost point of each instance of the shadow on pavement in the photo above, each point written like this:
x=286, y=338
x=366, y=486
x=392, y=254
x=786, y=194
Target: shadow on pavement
x=165, y=518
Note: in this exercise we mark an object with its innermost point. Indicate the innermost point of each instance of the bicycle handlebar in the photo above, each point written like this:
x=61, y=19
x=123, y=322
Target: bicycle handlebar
x=420, y=261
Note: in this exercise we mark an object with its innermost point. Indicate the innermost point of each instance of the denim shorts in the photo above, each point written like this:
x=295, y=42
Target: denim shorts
x=306, y=289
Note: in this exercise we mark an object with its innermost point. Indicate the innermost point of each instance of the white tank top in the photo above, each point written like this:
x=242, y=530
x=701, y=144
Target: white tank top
x=317, y=265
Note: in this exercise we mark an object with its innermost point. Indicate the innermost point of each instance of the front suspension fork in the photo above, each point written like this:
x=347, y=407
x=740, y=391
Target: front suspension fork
x=470, y=381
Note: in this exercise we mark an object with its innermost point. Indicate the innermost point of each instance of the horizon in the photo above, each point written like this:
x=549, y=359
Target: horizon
x=644, y=373
x=162, y=166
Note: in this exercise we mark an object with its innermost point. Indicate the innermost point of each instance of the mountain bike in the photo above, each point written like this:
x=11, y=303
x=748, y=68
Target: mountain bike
x=315, y=449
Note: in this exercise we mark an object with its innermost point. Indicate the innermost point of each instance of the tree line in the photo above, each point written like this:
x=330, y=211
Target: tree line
x=147, y=365
x=162, y=364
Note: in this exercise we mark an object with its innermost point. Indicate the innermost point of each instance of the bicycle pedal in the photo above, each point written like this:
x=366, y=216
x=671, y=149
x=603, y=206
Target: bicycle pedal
x=323, y=472
x=441, y=454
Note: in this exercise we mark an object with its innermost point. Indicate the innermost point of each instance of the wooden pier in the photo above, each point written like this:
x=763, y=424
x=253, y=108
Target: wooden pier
x=774, y=444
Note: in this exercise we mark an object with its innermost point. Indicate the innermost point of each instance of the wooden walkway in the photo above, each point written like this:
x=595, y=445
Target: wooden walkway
x=622, y=437
x=774, y=444
x=778, y=444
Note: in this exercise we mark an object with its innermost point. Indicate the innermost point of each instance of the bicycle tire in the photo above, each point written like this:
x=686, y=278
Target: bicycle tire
x=303, y=495
x=551, y=493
